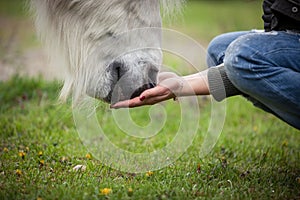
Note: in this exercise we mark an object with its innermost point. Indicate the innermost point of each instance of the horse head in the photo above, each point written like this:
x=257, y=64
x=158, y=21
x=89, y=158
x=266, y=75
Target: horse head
x=111, y=48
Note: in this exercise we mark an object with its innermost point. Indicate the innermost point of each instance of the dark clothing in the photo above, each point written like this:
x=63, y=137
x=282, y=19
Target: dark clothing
x=281, y=15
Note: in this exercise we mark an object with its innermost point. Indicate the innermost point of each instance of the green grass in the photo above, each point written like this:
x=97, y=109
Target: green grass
x=206, y=19
x=16, y=8
x=256, y=157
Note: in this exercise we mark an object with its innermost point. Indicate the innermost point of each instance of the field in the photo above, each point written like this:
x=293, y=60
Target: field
x=256, y=156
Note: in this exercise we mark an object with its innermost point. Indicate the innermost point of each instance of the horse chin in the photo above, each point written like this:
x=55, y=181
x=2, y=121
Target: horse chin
x=121, y=94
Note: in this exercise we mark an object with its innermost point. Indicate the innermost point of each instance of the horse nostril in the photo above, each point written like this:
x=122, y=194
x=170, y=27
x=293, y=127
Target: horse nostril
x=118, y=70
x=153, y=69
x=151, y=85
x=152, y=75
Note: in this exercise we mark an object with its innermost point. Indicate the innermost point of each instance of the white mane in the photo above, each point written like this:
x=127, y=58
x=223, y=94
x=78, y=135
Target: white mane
x=171, y=6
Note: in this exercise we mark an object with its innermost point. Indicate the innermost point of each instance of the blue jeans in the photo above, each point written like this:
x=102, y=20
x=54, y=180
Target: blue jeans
x=265, y=66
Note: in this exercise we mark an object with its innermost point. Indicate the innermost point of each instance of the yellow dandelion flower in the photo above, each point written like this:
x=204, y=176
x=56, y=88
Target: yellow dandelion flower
x=106, y=191
x=18, y=172
x=22, y=154
x=149, y=173
x=42, y=162
x=130, y=192
x=64, y=159
x=40, y=153
x=5, y=149
x=39, y=198
x=88, y=156
x=255, y=128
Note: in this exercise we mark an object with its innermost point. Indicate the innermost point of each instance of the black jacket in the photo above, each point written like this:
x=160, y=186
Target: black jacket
x=281, y=15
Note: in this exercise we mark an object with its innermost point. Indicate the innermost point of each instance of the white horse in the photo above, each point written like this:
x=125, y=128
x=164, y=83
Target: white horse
x=105, y=45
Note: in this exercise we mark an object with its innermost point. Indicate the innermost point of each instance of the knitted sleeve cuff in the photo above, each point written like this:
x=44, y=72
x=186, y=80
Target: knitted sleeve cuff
x=220, y=86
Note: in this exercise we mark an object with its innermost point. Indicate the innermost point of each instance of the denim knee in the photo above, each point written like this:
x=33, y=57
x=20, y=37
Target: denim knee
x=237, y=65
x=214, y=53
x=265, y=67
x=218, y=46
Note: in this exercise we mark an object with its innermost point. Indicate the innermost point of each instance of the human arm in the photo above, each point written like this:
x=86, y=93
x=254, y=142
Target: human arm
x=212, y=81
x=170, y=86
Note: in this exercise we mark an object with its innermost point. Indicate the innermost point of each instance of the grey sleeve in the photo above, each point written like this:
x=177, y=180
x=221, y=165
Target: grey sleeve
x=220, y=86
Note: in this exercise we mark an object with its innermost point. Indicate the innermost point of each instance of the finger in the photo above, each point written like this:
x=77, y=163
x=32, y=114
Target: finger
x=157, y=99
x=137, y=103
x=148, y=97
x=156, y=91
x=120, y=104
x=127, y=103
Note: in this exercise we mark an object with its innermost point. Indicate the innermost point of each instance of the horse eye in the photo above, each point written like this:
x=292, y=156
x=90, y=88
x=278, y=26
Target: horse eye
x=142, y=62
x=111, y=34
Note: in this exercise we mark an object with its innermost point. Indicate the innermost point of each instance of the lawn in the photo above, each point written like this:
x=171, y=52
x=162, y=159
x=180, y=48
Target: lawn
x=256, y=156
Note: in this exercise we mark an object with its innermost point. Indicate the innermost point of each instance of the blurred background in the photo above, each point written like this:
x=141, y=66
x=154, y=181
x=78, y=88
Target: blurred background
x=256, y=157
x=21, y=52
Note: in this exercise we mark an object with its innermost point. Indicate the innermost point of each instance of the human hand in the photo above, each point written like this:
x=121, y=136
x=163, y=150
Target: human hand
x=169, y=86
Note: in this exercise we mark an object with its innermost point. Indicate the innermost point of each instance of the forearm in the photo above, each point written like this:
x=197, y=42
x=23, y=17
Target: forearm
x=195, y=84
x=212, y=81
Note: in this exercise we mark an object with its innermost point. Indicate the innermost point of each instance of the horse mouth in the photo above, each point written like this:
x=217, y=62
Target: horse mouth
x=121, y=94
x=140, y=90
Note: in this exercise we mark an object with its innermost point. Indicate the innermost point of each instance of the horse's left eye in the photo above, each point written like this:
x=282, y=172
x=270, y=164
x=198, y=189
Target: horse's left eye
x=110, y=34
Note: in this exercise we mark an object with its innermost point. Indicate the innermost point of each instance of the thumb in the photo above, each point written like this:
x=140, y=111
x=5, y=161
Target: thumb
x=156, y=91
x=166, y=75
